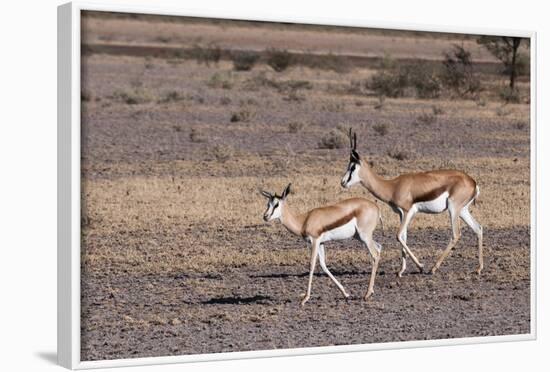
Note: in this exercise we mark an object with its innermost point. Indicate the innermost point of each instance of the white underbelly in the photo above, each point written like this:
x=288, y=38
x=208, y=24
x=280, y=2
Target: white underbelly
x=437, y=205
x=341, y=232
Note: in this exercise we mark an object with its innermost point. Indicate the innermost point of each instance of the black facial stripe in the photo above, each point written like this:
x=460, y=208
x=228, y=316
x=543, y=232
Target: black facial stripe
x=351, y=170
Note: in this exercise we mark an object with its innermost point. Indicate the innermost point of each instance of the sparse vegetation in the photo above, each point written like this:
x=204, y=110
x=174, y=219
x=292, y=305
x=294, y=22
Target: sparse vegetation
x=244, y=60
x=279, y=60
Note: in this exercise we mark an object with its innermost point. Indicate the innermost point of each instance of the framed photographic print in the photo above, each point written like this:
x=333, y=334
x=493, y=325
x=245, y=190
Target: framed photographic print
x=253, y=187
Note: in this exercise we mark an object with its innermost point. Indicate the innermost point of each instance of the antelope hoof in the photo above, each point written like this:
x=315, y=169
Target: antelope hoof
x=478, y=271
x=368, y=295
x=434, y=269
x=305, y=298
x=346, y=296
x=421, y=268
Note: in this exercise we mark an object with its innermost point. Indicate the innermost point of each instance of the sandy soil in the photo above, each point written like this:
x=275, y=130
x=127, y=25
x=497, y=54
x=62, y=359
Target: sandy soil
x=176, y=258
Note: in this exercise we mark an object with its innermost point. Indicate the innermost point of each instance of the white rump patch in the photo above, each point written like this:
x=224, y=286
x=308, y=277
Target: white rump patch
x=437, y=205
x=341, y=232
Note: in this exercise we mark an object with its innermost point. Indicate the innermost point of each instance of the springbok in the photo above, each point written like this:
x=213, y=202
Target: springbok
x=351, y=218
x=425, y=192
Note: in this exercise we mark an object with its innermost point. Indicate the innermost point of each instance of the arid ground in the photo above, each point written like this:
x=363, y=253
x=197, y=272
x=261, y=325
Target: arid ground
x=176, y=258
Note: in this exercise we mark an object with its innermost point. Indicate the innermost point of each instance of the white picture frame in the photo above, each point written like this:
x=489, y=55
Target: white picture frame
x=69, y=189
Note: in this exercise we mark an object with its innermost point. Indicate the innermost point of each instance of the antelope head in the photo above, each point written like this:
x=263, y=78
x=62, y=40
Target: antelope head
x=351, y=177
x=275, y=204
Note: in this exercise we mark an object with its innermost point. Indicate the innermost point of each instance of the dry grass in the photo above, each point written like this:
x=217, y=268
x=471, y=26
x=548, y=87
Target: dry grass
x=124, y=208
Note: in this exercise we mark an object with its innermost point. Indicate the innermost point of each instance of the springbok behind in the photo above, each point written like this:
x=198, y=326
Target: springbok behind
x=425, y=192
x=351, y=218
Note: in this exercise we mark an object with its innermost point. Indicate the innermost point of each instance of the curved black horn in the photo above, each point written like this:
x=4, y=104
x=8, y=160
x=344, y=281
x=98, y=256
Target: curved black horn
x=354, y=141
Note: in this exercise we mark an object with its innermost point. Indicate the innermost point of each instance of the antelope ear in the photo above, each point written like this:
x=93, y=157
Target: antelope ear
x=266, y=194
x=355, y=156
x=286, y=191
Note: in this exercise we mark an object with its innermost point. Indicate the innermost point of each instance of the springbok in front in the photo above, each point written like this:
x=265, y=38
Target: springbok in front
x=425, y=192
x=351, y=218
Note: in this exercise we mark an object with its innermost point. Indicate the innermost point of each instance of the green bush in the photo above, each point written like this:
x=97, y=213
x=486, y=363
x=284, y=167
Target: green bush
x=458, y=72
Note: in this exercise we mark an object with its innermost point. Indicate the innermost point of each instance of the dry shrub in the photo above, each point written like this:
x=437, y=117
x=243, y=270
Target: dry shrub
x=521, y=125
x=333, y=106
x=335, y=139
x=85, y=96
x=225, y=101
x=294, y=96
x=220, y=80
x=509, y=95
x=171, y=96
x=437, y=110
x=295, y=126
x=208, y=55
x=134, y=96
x=241, y=115
x=243, y=60
x=279, y=60
x=381, y=129
x=222, y=153
x=388, y=83
x=197, y=136
x=394, y=82
x=424, y=80
x=381, y=102
x=425, y=118
x=330, y=62
x=398, y=153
